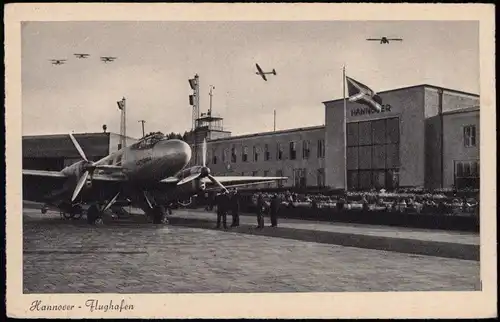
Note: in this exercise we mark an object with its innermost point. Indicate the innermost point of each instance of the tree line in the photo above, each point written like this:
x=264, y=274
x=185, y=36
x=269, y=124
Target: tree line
x=172, y=135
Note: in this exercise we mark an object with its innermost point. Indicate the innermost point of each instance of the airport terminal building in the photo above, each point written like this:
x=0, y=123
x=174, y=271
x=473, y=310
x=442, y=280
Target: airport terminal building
x=425, y=136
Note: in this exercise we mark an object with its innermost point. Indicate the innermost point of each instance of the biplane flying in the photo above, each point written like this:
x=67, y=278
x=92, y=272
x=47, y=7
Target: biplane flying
x=107, y=59
x=81, y=56
x=57, y=61
x=150, y=174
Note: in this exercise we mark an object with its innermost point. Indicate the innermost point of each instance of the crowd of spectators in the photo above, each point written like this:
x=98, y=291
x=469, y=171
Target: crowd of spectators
x=427, y=203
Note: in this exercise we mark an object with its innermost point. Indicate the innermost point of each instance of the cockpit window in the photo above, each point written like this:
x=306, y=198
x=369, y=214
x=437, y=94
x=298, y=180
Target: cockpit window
x=148, y=141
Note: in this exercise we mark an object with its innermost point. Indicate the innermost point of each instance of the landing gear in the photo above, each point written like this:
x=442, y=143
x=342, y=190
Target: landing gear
x=94, y=215
x=159, y=215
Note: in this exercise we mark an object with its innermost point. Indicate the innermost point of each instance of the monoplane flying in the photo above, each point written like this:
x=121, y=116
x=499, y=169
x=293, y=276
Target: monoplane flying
x=384, y=40
x=263, y=74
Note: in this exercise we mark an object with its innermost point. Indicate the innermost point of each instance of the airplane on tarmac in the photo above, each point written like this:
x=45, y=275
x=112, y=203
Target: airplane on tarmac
x=263, y=74
x=384, y=40
x=150, y=174
x=107, y=59
x=81, y=55
x=57, y=61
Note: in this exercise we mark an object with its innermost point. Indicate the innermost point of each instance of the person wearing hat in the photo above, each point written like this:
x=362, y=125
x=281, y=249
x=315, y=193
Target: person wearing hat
x=274, y=208
x=235, y=206
x=261, y=207
x=222, y=207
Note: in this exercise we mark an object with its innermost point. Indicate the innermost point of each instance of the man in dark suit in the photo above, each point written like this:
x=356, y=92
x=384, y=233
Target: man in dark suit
x=235, y=207
x=222, y=207
x=261, y=207
x=274, y=208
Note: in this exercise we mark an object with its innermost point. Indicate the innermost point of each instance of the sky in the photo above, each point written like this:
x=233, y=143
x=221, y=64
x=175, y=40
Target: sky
x=156, y=59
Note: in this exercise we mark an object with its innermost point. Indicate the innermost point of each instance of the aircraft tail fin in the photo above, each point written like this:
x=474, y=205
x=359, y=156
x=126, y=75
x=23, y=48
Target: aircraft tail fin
x=274, y=71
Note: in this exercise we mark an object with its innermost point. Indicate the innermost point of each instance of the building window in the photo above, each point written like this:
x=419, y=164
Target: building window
x=267, y=155
x=299, y=178
x=214, y=156
x=255, y=173
x=373, y=154
x=470, y=135
x=233, y=154
x=279, y=152
x=467, y=174
x=244, y=154
x=256, y=153
x=321, y=148
x=293, y=150
x=320, y=177
x=266, y=173
x=224, y=155
x=306, y=149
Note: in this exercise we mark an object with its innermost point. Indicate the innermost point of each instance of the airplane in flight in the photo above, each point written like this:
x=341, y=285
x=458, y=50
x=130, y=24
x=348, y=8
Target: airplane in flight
x=263, y=74
x=107, y=59
x=80, y=56
x=150, y=174
x=384, y=40
x=58, y=61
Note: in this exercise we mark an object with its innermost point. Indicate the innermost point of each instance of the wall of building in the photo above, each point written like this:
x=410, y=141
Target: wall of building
x=454, y=146
x=272, y=167
x=437, y=99
x=407, y=104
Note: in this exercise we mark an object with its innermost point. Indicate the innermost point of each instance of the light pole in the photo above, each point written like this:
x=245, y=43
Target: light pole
x=142, y=121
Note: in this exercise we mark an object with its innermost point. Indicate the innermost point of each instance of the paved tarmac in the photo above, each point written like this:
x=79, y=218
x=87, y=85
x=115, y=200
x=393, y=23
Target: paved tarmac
x=62, y=256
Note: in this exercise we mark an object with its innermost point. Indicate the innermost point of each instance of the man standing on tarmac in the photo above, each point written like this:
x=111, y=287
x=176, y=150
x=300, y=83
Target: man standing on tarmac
x=274, y=208
x=235, y=205
x=222, y=207
x=260, y=211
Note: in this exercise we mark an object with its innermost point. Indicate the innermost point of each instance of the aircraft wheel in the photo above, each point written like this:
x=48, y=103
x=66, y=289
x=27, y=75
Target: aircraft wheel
x=44, y=210
x=93, y=214
x=67, y=215
x=99, y=221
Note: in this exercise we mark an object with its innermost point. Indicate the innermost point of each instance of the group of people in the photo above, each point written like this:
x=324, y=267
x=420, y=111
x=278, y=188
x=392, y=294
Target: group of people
x=228, y=202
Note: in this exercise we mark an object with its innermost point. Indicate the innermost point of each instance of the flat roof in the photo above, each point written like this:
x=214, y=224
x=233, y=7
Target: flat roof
x=469, y=109
x=57, y=136
x=414, y=86
x=310, y=128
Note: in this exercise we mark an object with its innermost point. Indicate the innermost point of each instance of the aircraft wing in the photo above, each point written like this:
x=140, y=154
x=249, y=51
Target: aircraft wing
x=264, y=76
x=240, y=181
x=42, y=186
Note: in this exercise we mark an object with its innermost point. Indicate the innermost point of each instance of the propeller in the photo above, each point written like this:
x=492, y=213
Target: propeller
x=88, y=167
x=204, y=172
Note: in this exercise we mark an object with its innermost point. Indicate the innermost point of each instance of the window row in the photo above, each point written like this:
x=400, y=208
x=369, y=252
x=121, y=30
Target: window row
x=299, y=176
x=368, y=179
x=373, y=157
x=265, y=154
x=385, y=131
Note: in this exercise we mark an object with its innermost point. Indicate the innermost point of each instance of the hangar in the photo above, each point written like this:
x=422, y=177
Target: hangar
x=56, y=151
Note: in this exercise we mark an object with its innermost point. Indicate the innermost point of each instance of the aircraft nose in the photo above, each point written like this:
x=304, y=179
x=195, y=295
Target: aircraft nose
x=176, y=151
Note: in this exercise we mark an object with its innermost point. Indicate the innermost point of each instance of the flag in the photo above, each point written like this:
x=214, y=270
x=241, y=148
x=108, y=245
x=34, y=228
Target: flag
x=121, y=104
x=360, y=93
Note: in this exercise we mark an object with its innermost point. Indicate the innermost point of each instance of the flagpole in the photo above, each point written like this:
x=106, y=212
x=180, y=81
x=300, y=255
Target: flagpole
x=345, y=129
